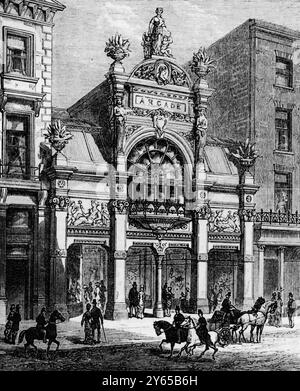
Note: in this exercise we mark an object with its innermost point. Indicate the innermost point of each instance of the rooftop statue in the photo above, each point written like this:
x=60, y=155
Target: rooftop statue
x=158, y=39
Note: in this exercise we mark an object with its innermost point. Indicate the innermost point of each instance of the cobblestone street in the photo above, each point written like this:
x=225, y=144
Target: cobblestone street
x=133, y=345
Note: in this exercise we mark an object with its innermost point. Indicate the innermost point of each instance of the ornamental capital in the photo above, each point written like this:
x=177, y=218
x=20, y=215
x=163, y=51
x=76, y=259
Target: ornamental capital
x=118, y=254
x=203, y=212
x=160, y=247
x=59, y=202
x=118, y=206
x=247, y=215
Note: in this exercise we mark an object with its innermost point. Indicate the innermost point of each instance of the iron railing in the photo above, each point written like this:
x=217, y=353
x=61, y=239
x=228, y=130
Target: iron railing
x=271, y=217
x=19, y=172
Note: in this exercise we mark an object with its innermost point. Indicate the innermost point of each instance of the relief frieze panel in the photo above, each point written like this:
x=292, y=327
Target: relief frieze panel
x=92, y=213
x=224, y=220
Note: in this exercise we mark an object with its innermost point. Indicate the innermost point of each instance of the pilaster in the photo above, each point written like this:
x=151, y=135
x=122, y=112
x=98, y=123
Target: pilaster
x=3, y=299
x=261, y=253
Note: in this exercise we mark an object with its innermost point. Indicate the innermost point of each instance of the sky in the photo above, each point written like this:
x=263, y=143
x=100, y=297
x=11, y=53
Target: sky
x=83, y=28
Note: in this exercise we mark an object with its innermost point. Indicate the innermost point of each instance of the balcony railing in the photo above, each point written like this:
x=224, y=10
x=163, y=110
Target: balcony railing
x=168, y=208
x=271, y=217
x=19, y=172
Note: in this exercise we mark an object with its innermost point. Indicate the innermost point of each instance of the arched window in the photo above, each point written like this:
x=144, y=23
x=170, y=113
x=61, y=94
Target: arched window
x=155, y=171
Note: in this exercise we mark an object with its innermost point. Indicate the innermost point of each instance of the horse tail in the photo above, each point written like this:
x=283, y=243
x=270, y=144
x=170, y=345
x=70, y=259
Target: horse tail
x=21, y=336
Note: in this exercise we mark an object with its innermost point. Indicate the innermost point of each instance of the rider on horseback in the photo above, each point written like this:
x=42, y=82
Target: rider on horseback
x=41, y=323
x=178, y=319
x=201, y=328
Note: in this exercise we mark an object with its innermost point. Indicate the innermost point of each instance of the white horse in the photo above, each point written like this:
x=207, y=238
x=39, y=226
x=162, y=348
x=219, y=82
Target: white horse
x=193, y=339
x=252, y=320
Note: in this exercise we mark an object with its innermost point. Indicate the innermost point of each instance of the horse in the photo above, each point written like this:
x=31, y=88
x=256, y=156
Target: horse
x=51, y=333
x=257, y=321
x=170, y=331
x=194, y=340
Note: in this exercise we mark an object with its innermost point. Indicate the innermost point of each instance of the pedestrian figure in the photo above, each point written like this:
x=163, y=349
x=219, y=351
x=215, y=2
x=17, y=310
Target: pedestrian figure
x=278, y=311
x=41, y=323
x=90, y=291
x=97, y=292
x=201, y=328
x=86, y=322
x=178, y=319
x=212, y=301
x=15, y=324
x=133, y=300
x=164, y=293
x=96, y=319
x=291, y=309
x=219, y=299
x=141, y=303
x=102, y=296
x=9, y=323
x=183, y=303
x=169, y=298
x=272, y=315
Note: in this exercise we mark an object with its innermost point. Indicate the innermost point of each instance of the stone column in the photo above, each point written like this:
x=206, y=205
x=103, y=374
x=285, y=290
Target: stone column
x=58, y=254
x=202, y=214
x=39, y=297
x=247, y=229
x=281, y=267
x=3, y=299
x=160, y=251
x=261, y=253
x=116, y=305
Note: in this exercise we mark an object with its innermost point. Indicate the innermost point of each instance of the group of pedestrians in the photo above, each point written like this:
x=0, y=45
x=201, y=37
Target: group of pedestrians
x=92, y=320
x=96, y=291
x=136, y=301
x=275, y=316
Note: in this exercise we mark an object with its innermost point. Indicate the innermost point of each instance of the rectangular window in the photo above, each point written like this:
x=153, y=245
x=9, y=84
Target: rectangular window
x=284, y=72
x=283, y=127
x=19, y=53
x=17, y=145
x=283, y=192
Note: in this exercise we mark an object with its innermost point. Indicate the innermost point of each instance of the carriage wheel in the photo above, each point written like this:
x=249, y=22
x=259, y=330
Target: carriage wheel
x=225, y=335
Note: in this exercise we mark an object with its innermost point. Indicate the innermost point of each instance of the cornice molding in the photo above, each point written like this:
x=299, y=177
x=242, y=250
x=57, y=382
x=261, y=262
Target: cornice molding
x=34, y=11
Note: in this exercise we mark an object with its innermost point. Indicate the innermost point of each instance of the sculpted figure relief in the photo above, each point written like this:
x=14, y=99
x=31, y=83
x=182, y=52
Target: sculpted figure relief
x=201, y=129
x=158, y=39
x=120, y=114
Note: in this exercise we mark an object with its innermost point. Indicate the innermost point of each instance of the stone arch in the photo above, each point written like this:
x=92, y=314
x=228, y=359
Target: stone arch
x=151, y=160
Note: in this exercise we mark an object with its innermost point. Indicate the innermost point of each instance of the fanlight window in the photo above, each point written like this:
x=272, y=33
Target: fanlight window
x=156, y=171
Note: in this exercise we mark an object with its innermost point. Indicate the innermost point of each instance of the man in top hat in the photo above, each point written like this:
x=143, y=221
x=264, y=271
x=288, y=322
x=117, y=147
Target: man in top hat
x=133, y=300
x=291, y=309
x=178, y=319
x=97, y=317
x=227, y=306
x=41, y=323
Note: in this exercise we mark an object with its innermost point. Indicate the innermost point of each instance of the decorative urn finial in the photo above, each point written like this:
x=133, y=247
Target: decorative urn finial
x=58, y=136
x=117, y=48
x=202, y=63
x=158, y=38
x=244, y=156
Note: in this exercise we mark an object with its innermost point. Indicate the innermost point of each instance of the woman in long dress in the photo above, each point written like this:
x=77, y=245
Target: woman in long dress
x=141, y=303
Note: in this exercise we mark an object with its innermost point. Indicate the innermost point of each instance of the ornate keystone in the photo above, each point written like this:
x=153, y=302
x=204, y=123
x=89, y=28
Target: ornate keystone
x=158, y=39
x=160, y=119
x=58, y=136
x=202, y=63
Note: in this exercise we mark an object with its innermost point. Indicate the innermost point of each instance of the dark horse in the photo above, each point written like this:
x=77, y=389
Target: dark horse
x=51, y=332
x=170, y=333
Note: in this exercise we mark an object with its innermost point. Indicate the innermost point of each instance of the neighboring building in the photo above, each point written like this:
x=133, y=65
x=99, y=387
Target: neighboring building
x=257, y=95
x=25, y=102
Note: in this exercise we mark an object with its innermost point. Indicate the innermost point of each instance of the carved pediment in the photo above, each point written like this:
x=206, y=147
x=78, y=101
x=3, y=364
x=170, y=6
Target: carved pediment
x=163, y=72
